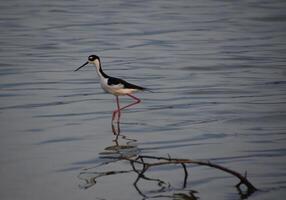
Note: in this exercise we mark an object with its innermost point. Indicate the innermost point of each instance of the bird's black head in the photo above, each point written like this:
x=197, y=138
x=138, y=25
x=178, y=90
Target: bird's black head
x=92, y=58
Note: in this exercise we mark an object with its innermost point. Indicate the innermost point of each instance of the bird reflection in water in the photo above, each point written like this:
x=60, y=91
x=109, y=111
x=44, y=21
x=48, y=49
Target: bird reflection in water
x=123, y=146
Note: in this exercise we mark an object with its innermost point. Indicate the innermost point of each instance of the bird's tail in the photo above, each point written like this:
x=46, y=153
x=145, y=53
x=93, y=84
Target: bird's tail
x=147, y=90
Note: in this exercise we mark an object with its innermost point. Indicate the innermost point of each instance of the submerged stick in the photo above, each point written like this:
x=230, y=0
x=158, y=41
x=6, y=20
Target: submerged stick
x=141, y=159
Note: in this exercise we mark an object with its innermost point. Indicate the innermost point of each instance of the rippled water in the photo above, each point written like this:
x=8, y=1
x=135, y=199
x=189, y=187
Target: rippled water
x=217, y=70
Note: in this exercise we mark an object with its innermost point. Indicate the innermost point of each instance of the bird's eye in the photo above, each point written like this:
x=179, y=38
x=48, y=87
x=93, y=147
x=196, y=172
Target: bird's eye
x=93, y=57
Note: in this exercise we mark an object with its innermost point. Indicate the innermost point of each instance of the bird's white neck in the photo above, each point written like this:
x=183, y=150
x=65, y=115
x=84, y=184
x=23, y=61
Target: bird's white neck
x=99, y=71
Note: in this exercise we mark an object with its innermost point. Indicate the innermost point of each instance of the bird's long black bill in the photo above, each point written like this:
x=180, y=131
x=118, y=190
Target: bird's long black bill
x=81, y=66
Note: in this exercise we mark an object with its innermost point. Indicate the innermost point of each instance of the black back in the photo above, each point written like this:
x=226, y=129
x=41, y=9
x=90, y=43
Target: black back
x=117, y=81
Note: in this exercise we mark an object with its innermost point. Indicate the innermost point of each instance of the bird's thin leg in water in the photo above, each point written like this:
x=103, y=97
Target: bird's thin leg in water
x=116, y=130
x=137, y=100
x=116, y=111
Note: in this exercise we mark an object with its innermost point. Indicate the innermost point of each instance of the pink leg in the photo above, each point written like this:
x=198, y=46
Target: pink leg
x=116, y=111
x=132, y=104
x=129, y=105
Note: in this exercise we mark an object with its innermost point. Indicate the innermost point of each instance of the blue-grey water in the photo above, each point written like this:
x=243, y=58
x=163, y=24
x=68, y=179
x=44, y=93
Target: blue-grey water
x=217, y=71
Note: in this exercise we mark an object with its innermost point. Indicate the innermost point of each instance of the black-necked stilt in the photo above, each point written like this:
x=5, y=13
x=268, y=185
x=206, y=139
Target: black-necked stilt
x=115, y=86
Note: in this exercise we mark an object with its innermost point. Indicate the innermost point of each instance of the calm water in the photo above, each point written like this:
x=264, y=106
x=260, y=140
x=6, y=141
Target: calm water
x=217, y=70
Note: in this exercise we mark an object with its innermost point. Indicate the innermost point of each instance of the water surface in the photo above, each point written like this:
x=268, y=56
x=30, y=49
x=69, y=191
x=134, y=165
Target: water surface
x=217, y=70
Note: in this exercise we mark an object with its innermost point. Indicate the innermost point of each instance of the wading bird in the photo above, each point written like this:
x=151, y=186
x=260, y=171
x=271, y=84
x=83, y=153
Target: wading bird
x=115, y=86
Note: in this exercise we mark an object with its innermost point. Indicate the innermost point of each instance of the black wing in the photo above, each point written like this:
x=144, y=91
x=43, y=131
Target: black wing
x=118, y=81
x=114, y=81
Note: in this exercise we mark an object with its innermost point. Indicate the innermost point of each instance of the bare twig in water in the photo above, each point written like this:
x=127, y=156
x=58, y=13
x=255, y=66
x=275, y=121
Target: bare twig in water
x=141, y=160
x=140, y=164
